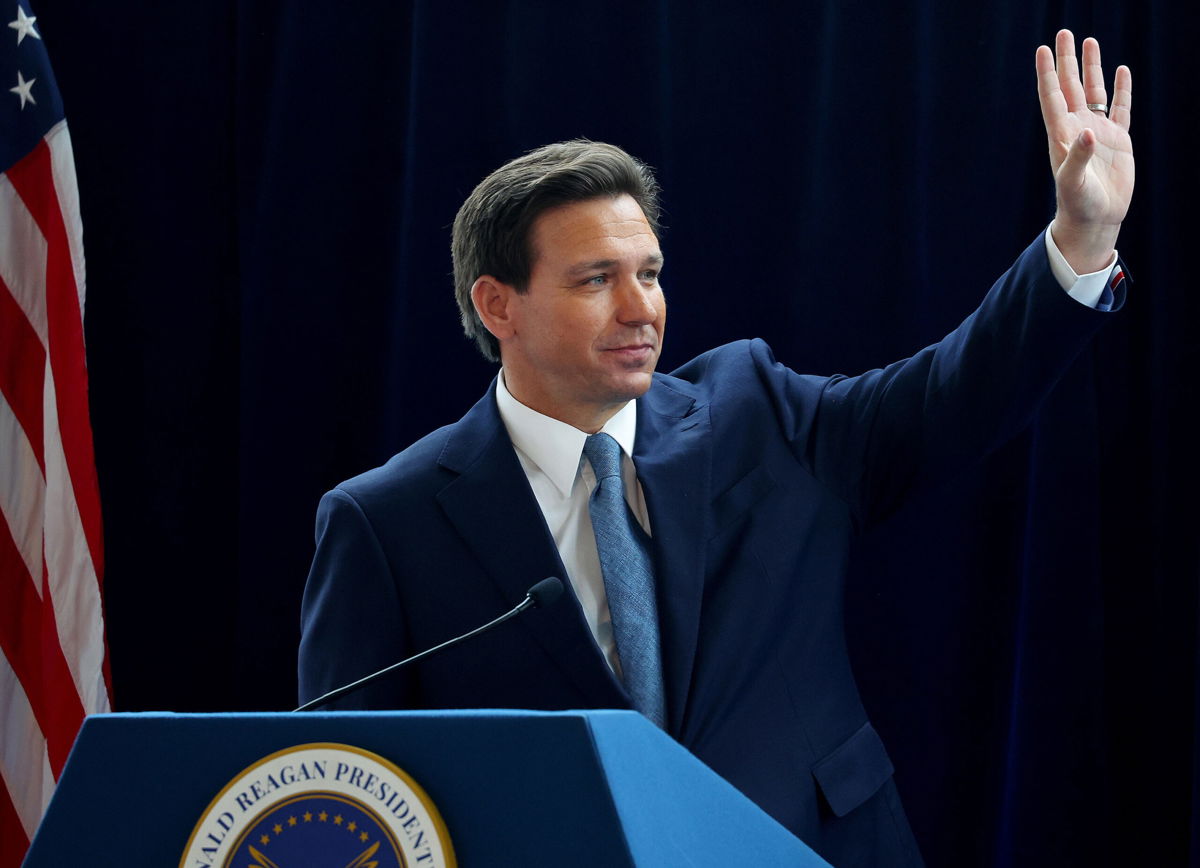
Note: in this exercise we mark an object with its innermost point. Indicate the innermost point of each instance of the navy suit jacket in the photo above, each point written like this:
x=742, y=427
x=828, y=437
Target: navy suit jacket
x=756, y=478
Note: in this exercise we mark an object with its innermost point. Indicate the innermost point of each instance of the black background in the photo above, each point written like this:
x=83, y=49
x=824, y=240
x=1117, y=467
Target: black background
x=267, y=189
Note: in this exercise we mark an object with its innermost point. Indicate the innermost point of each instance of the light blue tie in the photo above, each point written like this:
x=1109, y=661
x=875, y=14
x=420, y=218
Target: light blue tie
x=628, y=570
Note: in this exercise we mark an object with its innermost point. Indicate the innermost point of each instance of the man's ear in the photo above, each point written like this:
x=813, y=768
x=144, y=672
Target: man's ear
x=493, y=300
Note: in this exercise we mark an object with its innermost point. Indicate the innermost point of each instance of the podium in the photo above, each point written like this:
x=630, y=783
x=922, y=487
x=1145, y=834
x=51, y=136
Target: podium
x=589, y=788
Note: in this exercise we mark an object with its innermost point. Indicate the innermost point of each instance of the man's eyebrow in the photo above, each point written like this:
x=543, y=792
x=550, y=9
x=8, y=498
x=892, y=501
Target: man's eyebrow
x=605, y=264
x=594, y=265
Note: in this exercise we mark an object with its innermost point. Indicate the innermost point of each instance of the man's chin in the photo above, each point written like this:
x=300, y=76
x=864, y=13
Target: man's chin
x=635, y=385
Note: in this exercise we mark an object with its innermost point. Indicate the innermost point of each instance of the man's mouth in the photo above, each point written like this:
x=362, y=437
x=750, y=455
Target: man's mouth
x=633, y=354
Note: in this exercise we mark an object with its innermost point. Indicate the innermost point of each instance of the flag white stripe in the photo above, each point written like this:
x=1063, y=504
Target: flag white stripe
x=22, y=491
x=24, y=764
x=72, y=575
x=62, y=166
x=23, y=258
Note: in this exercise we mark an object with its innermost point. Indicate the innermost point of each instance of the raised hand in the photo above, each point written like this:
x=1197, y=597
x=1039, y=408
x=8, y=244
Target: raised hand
x=1091, y=154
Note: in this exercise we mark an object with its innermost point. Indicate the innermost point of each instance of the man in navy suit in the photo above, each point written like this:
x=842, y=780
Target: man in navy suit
x=747, y=479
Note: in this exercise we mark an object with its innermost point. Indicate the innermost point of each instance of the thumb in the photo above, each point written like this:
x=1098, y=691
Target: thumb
x=1070, y=174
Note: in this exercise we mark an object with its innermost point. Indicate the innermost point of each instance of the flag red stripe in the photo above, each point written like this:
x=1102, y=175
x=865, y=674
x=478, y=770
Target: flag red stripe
x=13, y=842
x=37, y=660
x=33, y=179
x=66, y=713
x=22, y=370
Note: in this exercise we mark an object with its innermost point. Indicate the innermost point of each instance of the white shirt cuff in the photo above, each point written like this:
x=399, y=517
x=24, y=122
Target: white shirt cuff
x=1084, y=288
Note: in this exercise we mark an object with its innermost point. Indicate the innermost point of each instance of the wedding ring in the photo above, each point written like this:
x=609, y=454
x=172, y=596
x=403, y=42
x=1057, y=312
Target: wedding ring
x=1098, y=107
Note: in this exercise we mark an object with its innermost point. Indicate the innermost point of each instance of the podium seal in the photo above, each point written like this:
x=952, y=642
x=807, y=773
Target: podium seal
x=320, y=804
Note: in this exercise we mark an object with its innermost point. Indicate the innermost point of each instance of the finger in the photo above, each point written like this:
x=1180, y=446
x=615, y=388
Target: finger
x=1122, y=98
x=1054, y=104
x=1068, y=70
x=1093, y=74
x=1070, y=174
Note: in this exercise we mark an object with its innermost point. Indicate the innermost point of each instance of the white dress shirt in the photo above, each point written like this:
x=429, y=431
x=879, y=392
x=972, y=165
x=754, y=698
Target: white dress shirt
x=551, y=454
x=1084, y=288
x=562, y=479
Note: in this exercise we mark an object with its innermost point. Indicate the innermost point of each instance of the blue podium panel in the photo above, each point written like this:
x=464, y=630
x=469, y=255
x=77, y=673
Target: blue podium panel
x=596, y=788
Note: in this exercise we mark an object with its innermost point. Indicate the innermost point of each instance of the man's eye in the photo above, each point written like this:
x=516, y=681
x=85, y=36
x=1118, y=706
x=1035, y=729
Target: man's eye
x=649, y=275
x=597, y=280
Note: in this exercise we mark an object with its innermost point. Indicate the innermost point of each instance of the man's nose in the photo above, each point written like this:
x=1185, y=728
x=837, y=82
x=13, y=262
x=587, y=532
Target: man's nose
x=636, y=302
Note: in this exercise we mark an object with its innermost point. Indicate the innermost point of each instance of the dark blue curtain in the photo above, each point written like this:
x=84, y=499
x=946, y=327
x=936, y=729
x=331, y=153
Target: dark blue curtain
x=267, y=189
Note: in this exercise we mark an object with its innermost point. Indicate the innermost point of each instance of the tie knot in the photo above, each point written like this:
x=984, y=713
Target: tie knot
x=605, y=455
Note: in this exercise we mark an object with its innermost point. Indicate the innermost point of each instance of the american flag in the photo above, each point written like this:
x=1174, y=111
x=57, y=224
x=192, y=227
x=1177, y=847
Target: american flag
x=53, y=660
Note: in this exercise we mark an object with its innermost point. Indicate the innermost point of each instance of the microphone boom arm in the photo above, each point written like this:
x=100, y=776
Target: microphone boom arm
x=542, y=594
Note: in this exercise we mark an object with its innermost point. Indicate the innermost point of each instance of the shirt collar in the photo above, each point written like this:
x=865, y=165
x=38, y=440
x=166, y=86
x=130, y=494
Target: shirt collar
x=554, y=446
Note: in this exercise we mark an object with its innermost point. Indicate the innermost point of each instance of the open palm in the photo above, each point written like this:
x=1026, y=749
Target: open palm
x=1091, y=154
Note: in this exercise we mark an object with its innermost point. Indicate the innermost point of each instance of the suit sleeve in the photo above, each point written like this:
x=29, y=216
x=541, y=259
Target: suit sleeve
x=876, y=438
x=350, y=617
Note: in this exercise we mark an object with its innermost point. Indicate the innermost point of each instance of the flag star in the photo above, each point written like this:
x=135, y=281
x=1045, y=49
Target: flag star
x=24, y=25
x=22, y=89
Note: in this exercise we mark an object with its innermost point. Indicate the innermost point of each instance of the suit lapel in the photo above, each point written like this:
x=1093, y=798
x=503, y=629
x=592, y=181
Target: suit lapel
x=673, y=459
x=494, y=510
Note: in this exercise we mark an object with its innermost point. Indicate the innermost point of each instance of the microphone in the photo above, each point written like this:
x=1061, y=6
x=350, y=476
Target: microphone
x=545, y=593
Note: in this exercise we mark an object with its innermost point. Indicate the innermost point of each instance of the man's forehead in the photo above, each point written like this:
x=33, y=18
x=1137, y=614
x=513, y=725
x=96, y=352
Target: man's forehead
x=595, y=231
